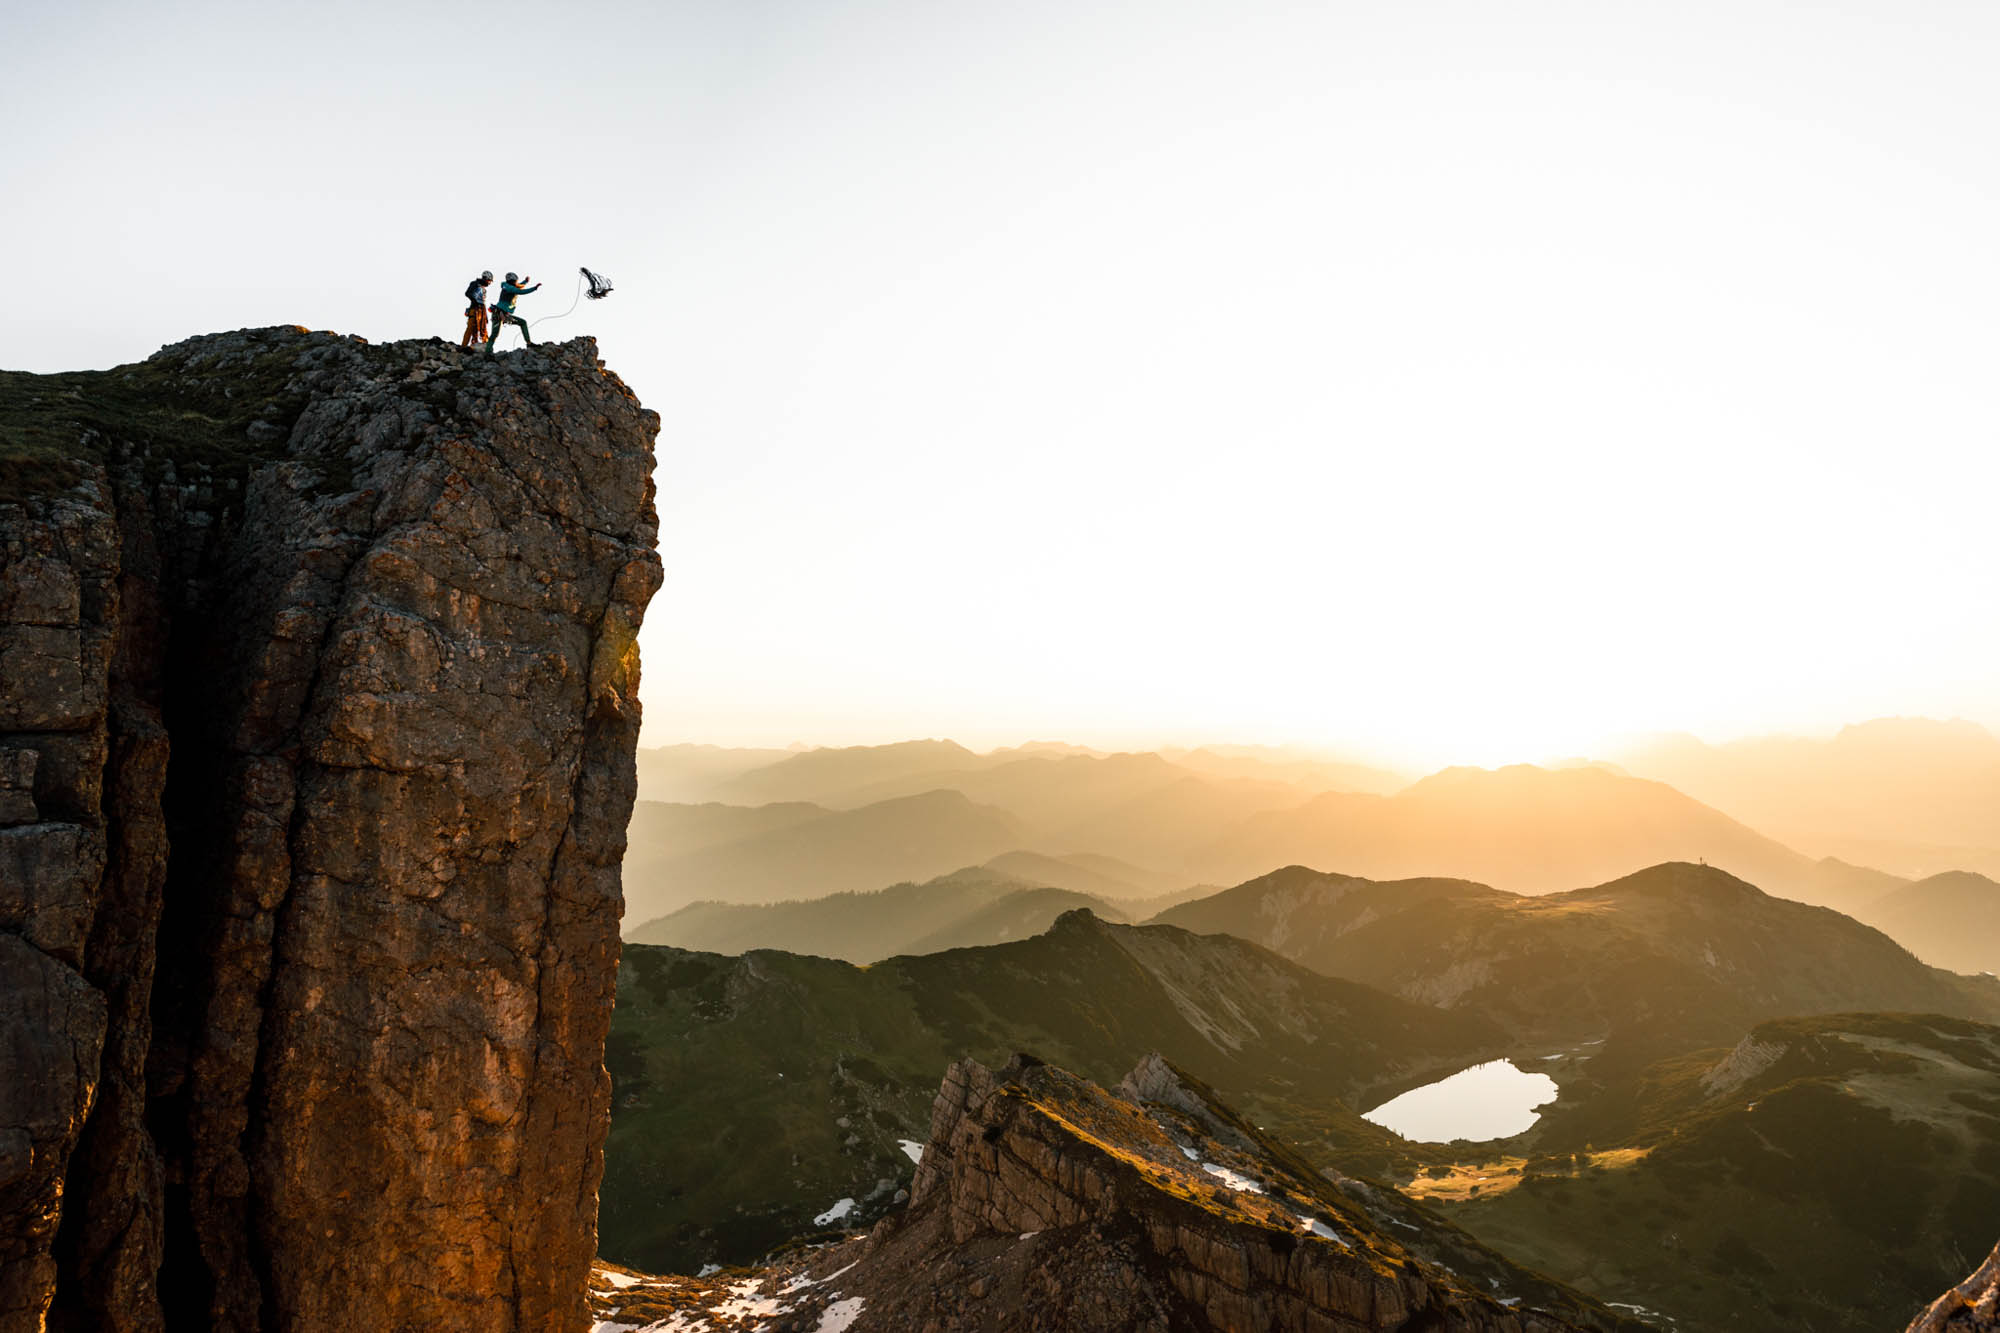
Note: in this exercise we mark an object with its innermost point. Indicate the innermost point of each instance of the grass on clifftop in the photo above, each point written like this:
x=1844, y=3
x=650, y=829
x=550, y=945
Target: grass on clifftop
x=54, y=427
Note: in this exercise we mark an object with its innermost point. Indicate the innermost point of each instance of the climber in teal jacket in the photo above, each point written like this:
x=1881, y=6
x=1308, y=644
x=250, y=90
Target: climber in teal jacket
x=503, y=310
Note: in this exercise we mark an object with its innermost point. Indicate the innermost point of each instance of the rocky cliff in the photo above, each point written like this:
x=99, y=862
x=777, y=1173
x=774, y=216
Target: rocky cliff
x=1973, y=1306
x=317, y=713
x=1044, y=1202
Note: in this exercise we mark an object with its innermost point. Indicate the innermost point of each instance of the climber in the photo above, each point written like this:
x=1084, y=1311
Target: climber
x=475, y=309
x=503, y=313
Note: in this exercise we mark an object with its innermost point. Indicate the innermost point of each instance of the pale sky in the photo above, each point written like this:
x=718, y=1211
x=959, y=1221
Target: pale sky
x=1444, y=382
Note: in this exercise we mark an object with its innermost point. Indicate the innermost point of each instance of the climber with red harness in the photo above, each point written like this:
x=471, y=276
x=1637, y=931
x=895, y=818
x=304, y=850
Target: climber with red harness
x=475, y=309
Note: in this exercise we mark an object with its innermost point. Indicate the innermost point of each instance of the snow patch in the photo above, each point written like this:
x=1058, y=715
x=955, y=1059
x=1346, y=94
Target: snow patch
x=801, y=1283
x=618, y=1280
x=912, y=1150
x=836, y=1317
x=1241, y=1184
x=1312, y=1226
x=707, y=1269
x=745, y=1303
x=835, y=1213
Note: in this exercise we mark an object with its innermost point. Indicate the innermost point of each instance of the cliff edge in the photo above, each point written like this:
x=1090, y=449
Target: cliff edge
x=1973, y=1306
x=318, y=678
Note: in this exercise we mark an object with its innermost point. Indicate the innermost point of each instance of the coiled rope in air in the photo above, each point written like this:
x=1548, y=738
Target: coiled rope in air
x=600, y=287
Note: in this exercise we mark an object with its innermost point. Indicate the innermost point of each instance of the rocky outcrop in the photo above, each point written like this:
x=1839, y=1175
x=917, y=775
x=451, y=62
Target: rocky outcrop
x=1973, y=1306
x=1043, y=1202
x=317, y=712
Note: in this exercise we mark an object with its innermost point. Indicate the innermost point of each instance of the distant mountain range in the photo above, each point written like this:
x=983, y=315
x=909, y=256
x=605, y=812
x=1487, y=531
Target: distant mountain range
x=1950, y=920
x=1125, y=826
x=1525, y=829
x=690, y=774
x=1087, y=872
x=848, y=776
x=1670, y=959
x=977, y=905
x=679, y=854
x=1912, y=795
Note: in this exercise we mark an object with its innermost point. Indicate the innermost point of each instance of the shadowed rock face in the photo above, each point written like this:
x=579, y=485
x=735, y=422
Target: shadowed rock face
x=316, y=741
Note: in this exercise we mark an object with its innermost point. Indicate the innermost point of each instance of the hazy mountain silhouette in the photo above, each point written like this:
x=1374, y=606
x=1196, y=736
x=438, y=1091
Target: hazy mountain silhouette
x=1043, y=791
x=1138, y=807
x=1950, y=920
x=976, y=905
x=828, y=776
x=1913, y=795
x=1085, y=872
x=1525, y=829
x=1167, y=824
x=691, y=773
x=1279, y=764
x=660, y=833
x=1671, y=958
x=915, y=838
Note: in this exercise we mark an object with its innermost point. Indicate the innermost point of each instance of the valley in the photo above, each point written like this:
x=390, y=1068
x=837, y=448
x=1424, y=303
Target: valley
x=1709, y=1059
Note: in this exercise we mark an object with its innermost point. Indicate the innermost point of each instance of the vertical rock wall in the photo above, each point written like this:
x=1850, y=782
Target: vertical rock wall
x=308, y=915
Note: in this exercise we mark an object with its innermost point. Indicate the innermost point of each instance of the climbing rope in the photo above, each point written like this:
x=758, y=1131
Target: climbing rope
x=600, y=287
x=572, y=307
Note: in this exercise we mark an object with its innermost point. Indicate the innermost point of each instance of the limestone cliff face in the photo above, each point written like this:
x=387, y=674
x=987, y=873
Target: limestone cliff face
x=317, y=714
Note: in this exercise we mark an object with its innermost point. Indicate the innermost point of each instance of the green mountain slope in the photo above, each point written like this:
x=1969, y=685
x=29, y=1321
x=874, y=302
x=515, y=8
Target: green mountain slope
x=751, y=1094
x=1829, y=1173
x=1299, y=912
x=1673, y=958
x=1014, y=916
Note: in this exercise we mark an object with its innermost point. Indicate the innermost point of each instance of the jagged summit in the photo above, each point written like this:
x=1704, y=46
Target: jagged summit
x=1043, y=1202
x=318, y=702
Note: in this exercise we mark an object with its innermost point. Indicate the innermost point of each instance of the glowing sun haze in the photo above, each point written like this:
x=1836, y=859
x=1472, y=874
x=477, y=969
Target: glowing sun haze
x=1448, y=382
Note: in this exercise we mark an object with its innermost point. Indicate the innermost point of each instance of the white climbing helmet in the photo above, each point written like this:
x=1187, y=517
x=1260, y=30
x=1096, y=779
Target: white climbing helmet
x=486, y=276
x=512, y=278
